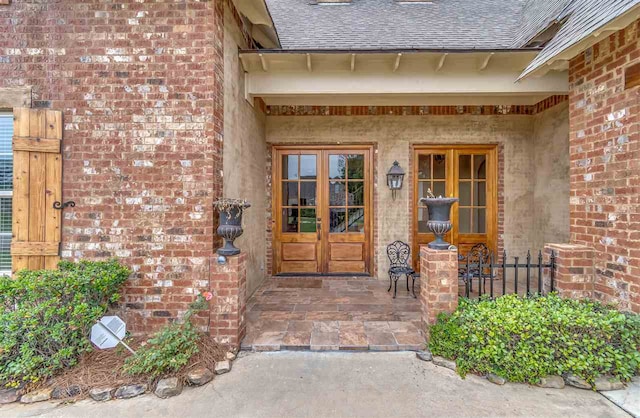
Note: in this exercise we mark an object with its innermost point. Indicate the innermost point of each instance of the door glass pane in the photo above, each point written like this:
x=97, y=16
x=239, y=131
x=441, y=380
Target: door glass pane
x=479, y=221
x=290, y=167
x=423, y=217
x=422, y=188
x=356, y=166
x=464, y=168
x=439, y=189
x=424, y=167
x=308, y=220
x=308, y=167
x=465, y=193
x=356, y=193
x=356, y=219
x=289, y=220
x=290, y=193
x=480, y=193
x=464, y=218
x=439, y=166
x=337, y=166
x=480, y=166
x=307, y=193
x=337, y=193
x=337, y=221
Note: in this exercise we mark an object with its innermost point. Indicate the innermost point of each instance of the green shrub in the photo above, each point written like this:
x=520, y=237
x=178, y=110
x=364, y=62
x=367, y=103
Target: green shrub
x=47, y=314
x=171, y=347
x=524, y=339
x=168, y=350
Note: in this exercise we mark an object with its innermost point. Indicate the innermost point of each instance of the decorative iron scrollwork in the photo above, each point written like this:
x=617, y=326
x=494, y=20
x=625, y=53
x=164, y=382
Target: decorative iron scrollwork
x=60, y=206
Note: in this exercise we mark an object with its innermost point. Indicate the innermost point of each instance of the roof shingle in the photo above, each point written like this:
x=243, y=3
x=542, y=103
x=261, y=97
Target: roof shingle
x=387, y=24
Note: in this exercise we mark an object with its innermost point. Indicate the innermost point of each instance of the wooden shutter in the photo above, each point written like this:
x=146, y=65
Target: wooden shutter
x=37, y=184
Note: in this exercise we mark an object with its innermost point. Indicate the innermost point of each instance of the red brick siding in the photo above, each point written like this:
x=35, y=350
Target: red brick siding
x=541, y=106
x=605, y=164
x=228, y=306
x=140, y=85
x=438, y=283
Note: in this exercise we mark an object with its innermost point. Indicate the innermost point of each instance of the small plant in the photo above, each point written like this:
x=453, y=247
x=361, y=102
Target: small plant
x=47, y=314
x=226, y=204
x=525, y=339
x=171, y=347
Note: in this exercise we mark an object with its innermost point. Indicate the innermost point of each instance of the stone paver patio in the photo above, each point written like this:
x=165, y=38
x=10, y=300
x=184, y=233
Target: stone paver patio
x=309, y=313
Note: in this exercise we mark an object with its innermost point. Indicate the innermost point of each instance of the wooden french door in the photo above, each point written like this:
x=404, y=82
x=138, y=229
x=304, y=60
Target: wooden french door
x=466, y=172
x=322, y=210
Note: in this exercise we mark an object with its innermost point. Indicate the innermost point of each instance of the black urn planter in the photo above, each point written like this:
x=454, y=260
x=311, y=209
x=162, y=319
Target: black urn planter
x=230, y=225
x=439, y=219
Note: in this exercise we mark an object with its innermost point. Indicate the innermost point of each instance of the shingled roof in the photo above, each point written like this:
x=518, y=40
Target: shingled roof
x=388, y=24
x=536, y=16
x=441, y=24
x=585, y=18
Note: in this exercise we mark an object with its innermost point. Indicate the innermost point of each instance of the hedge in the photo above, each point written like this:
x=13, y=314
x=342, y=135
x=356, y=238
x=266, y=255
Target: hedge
x=47, y=314
x=524, y=339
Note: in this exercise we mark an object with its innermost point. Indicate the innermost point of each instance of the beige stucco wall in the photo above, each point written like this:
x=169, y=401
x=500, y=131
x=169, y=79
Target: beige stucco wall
x=393, y=136
x=551, y=193
x=244, y=157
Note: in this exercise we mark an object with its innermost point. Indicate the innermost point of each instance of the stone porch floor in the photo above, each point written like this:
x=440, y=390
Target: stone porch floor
x=347, y=313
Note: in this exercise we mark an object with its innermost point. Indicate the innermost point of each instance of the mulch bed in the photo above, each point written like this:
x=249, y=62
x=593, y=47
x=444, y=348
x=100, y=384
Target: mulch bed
x=103, y=368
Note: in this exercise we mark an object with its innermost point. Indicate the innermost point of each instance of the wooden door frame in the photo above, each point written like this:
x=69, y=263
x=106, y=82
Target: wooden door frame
x=369, y=202
x=492, y=184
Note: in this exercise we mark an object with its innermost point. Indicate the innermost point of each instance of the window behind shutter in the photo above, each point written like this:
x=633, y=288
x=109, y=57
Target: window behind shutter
x=37, y=184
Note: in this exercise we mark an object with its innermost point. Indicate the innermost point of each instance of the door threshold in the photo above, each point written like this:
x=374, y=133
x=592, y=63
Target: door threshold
x=320, y=275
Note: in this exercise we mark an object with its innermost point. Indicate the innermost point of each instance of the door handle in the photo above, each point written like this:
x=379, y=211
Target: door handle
x=319, y=228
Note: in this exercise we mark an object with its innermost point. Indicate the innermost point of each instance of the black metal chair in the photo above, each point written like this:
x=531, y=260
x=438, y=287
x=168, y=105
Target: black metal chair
x=399, y=254
x=469, y=266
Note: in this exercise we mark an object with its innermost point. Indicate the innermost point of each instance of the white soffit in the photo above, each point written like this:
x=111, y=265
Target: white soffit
x=255, y=10
x=337, y=75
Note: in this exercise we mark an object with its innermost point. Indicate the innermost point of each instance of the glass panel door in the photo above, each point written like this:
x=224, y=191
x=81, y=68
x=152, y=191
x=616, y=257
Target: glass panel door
x=475, y=187
x=298, y=239
x=322, y=201
x=466, y=172
x=348, y=183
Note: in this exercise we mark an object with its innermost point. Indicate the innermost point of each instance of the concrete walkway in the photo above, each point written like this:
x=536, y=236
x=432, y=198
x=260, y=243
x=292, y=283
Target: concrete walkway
x=334, y=384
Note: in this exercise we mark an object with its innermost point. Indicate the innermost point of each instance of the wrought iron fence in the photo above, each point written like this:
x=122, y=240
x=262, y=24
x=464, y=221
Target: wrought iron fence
x=492, y=271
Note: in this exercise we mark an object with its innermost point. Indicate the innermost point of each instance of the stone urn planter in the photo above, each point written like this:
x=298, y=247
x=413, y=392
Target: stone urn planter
x=439, y=219
x=230, y=225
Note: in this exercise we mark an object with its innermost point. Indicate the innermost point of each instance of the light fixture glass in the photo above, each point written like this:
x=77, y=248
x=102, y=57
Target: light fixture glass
x=395, y=175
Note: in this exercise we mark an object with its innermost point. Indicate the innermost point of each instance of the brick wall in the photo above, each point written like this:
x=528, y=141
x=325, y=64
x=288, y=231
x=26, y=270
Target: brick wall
x=438, y=283
x=140, y=85
x=228, y=306
x=605, y=164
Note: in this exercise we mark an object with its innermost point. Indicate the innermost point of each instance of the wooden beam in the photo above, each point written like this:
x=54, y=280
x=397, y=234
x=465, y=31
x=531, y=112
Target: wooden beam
x=441, y=62
x=397, y=63
x=34, y=248
x=309, y=66
x=243, y=61
x=263, y=61
x=485, y=63
x=353, y=62
x=36, y=144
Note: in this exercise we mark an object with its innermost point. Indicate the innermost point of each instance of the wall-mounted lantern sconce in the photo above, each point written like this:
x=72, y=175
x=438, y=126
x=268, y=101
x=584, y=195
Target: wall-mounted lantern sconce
x=395, y=175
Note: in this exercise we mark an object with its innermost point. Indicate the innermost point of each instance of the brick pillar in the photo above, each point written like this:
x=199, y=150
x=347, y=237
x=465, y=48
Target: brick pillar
x=575, y=272
x=227, y=308
x=438, y=282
